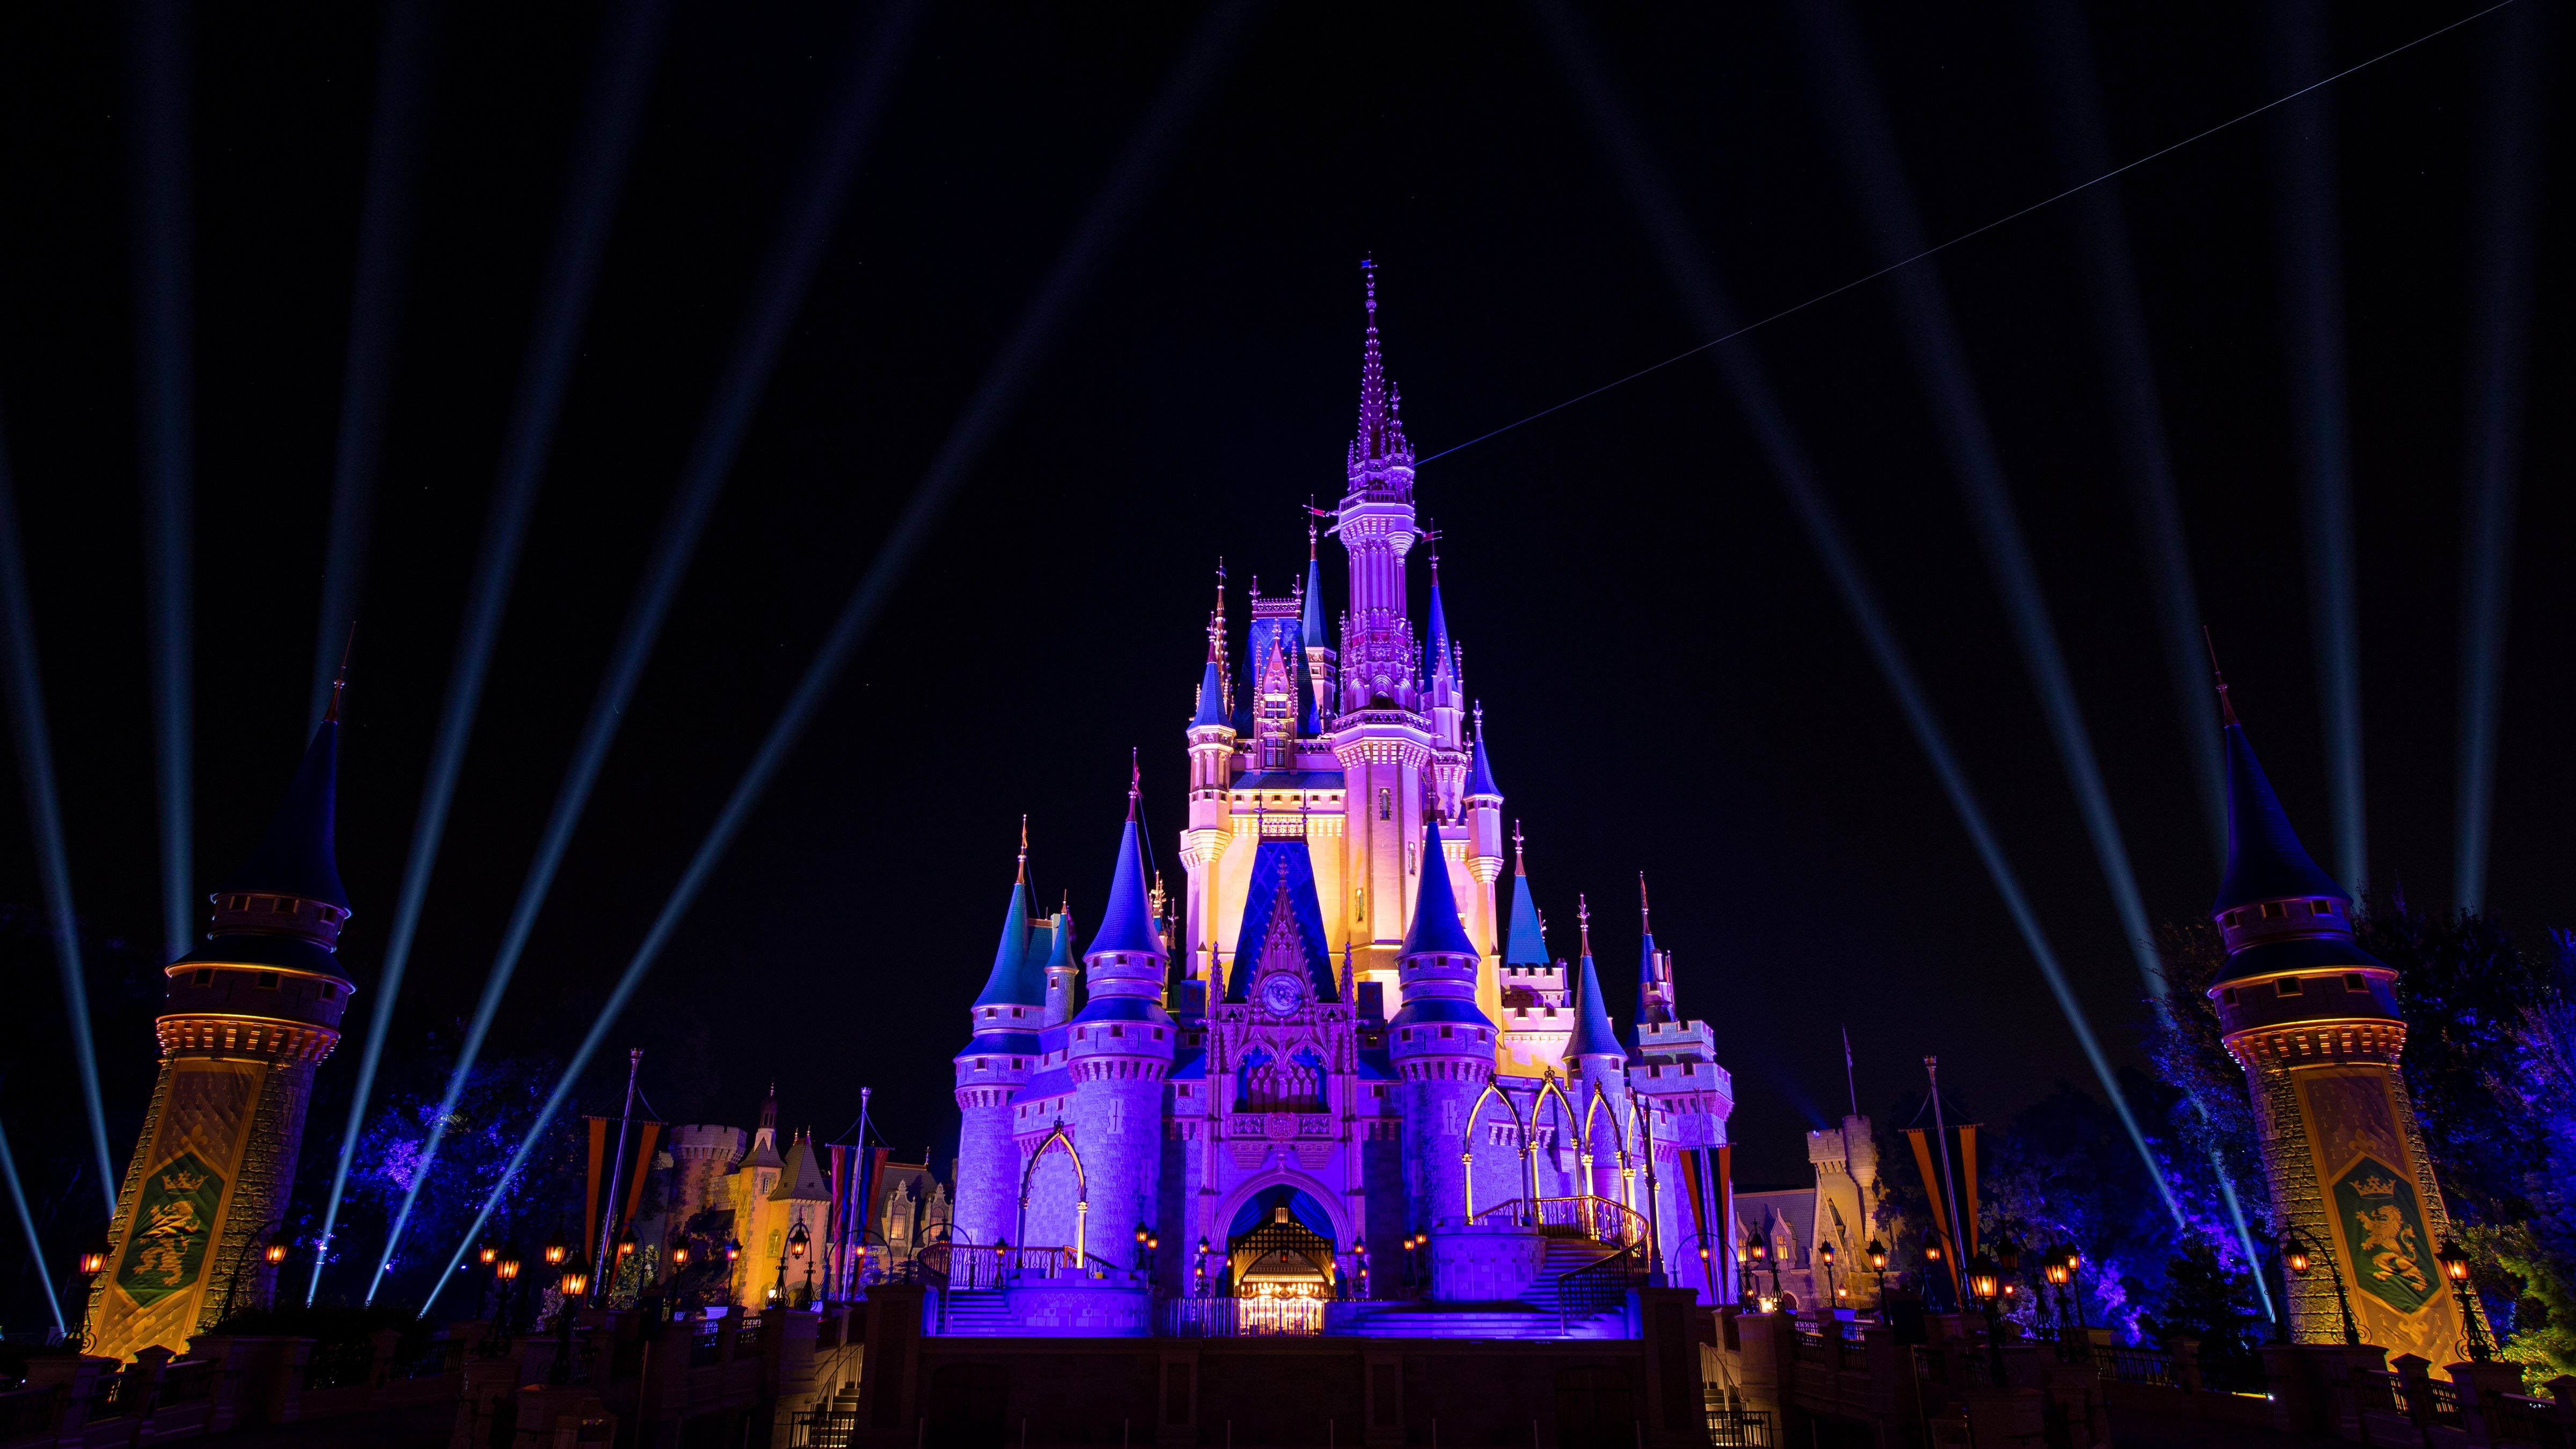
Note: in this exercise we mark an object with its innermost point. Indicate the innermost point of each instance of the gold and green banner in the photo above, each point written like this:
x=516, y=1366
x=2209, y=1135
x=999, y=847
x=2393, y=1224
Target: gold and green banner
x=174, y=1225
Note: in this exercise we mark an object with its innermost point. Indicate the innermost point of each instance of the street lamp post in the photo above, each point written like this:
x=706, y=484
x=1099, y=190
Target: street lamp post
x=574, y=1282
x=1833, y=1290
x=733, y=1255
x=797, y=1238
x=91, y=1263
x=2300, y=1253
x=1877, y=1252
x=2455, y=1266
x=1987, y=1285
x=268, y=1250
x=505, y=1273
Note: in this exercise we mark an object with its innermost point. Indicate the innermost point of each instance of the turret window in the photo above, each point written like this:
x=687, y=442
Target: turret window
x=2272, y=910
x=205, y=978
x=2229, y=995
x=2289, y=986
x=2353, y=981
x=266, y=981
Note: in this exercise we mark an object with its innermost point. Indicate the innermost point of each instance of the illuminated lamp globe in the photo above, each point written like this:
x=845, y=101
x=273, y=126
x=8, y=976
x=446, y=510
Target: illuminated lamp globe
x=2454, y=1260
x=797, y=1238
x=2298, y=1260
x=1877, y=1252
x=626, y=1243
x=93, y=1260
x=276, y=1254
x=555, y=1251
x=508, y=1266
x=576, y=1277
x=1983, y=1280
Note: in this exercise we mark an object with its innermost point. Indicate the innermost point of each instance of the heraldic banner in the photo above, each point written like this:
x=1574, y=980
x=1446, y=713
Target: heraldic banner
x=2382, y=1230
x=172, y=1220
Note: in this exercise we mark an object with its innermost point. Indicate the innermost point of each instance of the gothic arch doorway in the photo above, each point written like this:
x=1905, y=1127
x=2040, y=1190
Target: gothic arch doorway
x=1280, y=1245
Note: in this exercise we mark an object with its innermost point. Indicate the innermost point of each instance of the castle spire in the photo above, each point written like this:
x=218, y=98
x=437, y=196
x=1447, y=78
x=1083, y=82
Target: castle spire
x=1211, y=713
x=2265, y=861
x=1379, y=450
x=1435, y=927
x=295, y=855
x=1127, y=922
x=1526, y=942
x=1006, y=985
x=1480, y=772
x=1594, y=1036
x=1653, y=992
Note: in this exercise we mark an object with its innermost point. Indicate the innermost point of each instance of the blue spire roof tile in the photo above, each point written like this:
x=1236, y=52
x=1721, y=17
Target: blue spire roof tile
x=2264, y=858
x=1127, y=924
x=1436, y=927
x=1593, y=1034
x=1009, y=976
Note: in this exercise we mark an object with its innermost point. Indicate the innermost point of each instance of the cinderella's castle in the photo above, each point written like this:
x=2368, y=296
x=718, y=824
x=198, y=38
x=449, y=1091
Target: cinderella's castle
x=1336, y=1066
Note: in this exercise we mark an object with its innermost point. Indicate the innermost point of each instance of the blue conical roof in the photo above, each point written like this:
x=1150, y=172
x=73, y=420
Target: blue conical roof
x=1593, y=1034
x=1127, y=924
x=295, y=856
x=1011, y=957
x=1436, y=639
x=2265, y=861
x=1311, y=625
x=1436, y=927
x=1528, y=943
x=1480, y=772
x=1211, y=695
x=1282, y=868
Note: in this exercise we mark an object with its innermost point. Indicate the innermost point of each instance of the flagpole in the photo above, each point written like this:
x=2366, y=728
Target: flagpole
x=603, y=1267
x=1949, y=1189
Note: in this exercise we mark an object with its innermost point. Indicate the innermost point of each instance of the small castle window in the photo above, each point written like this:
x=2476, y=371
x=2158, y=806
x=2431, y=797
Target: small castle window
x=2272, y=910
x=330, y=989
x=2230, y=995
x=205, y=978
x=2322, y=908
x=2289, y=986
x=2352, y=981
x=1385, y=804
x=266, y=981
x=1015, y=1013
x=1117, y=1031
x=1448, y=1031
x=1017, y=1063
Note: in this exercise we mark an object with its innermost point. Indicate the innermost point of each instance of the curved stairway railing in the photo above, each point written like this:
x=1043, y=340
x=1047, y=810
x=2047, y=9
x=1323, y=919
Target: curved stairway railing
x=1598, y=1288
x=1590, y=1215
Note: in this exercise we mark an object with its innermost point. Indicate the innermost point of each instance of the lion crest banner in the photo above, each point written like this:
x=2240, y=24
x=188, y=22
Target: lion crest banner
x=2383, y=1229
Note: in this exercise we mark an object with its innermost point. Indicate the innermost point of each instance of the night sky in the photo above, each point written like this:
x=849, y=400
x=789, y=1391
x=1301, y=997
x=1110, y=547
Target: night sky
x=1671, y=683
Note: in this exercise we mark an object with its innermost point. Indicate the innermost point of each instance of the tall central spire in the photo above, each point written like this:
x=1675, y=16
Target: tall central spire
x=1381, y=460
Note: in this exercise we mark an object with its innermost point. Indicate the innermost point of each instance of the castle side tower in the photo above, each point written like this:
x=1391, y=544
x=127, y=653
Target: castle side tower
x=1537, y=1015
x=1596, y=1067
x=2312, y=1018
x=1211, y=812
x=990, y=1070
x=1119, y=1053
x=250, y=1015
x=1441, y=1044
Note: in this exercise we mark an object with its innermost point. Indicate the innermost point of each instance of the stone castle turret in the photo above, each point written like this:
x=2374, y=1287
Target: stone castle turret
x=2312, y=1018
x=250, y=1014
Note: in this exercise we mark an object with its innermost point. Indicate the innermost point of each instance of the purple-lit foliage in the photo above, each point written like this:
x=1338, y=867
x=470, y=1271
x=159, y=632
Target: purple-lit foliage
x=499, y=1099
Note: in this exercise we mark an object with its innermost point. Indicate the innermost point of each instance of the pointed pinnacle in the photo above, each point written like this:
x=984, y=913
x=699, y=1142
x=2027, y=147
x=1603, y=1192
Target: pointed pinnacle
x=2226, y=706
x=1583, y=921
x=1023, y=877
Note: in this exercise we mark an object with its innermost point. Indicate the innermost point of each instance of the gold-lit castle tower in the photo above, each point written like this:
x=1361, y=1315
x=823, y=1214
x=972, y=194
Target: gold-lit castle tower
x=2312, y=1018
x=250, y=1014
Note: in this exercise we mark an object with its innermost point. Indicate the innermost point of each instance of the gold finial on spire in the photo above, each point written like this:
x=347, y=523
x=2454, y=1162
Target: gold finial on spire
x=1135, y=780
x=1024, y=850
x=1645, y=913
x=1519, y=865
x=1583, y=921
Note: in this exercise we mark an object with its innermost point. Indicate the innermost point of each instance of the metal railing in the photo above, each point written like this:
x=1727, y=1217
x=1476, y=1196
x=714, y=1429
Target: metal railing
x=2124, y=1365
x=1809, y=1346
x=746, y=1337
x=971, y=1268
x=1739, y=1428
x=115, y=1394
x=1598, y=1288
x=823, y=1429
x=1588, y=1214
x=1239, y=1317
x=2519, y=1419
x=704, y=1345
x=25, y=1413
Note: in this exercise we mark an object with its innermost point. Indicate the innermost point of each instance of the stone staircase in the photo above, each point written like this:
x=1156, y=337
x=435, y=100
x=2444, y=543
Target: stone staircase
x=979, y=1313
